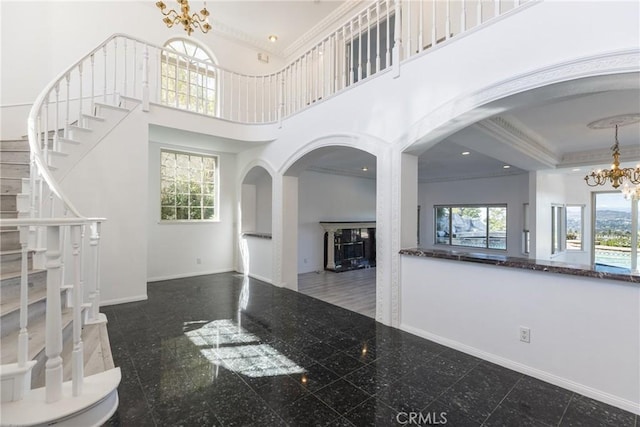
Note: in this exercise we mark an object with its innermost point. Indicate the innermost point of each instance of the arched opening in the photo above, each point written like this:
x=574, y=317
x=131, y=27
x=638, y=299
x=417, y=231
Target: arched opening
x=508, y=177
x=255, y=224
x=336, y=226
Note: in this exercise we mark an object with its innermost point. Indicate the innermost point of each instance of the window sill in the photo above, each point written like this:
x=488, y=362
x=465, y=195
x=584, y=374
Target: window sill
x=187, y=221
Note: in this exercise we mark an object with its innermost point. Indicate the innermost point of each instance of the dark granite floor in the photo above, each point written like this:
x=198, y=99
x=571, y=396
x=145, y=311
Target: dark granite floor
x=214, y=351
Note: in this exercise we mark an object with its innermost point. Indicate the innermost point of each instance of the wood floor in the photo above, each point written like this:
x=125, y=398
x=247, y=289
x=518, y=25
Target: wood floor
x=354, y=290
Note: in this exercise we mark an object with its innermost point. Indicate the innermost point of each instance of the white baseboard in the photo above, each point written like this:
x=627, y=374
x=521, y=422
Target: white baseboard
x=610, y=399
x=185, y=275
x=122, y=300
x=261, y=278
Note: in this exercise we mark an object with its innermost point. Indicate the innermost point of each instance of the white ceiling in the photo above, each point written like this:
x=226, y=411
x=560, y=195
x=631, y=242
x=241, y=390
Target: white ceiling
x=293, y=22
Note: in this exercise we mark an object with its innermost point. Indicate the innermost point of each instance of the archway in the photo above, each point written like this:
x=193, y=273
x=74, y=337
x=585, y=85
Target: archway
x=540, y=146
x=255, y=218
x=329, y=227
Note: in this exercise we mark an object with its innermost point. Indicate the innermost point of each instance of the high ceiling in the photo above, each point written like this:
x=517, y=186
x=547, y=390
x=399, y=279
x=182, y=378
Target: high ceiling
x=556, y=128
x=293, y=22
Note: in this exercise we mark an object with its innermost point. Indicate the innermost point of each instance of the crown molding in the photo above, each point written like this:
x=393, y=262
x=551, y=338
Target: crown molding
x=513, y=133
x=323, y=26
x=597, y=157
x=500, y=174
x=221, y=29
x=343, y=172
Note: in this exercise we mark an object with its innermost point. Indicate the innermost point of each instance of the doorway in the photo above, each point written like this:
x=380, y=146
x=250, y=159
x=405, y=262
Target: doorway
x=615, y=233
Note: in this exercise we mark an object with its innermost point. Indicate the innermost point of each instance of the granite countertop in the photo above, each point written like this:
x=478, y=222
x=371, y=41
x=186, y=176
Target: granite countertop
x=257, y=234
x=522, y=263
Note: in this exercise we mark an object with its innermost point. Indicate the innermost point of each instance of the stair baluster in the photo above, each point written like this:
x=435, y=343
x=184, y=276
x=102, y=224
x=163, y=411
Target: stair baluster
x=81, y=83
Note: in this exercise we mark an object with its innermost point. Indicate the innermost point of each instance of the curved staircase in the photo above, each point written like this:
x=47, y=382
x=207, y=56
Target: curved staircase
x=56, y=365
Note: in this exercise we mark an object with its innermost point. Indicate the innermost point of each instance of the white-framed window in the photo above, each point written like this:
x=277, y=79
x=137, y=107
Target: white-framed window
x=558, y=230
x=574, y=227
x=189, y=185
x=477, y=226
x=188, y=77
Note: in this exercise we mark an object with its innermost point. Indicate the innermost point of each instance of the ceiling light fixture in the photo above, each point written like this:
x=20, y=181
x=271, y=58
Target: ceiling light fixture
x=364, y=169
x=631, y=192
x=617, y=176
x=189, y=21
x=465, y=153
x=506, y=167
x=273, y=38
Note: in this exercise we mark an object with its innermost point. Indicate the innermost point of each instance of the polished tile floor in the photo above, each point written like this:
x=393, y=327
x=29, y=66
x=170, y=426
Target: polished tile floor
x=218, y=350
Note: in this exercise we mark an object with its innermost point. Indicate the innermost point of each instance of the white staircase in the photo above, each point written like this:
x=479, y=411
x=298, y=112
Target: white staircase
x=56, y=364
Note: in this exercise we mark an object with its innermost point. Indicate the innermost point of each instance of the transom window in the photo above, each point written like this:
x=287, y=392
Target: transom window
x=188, y=79
x=472, y=226
x=188, y=186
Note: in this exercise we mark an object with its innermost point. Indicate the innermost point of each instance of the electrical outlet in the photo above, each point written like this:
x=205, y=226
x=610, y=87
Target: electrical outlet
x=198, y=261
x=525, y=334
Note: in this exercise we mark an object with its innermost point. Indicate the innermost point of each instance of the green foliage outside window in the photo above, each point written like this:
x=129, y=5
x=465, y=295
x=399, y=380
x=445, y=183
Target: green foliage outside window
x=187, y=186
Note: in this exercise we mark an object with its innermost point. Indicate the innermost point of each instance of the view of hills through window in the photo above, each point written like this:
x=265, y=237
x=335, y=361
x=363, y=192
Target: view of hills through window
x=613, y=230
x=472, y=226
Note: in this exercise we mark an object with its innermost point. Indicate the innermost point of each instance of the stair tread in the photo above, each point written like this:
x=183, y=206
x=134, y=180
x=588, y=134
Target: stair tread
x=9, y=305
x=4, y=276
x=37, y=337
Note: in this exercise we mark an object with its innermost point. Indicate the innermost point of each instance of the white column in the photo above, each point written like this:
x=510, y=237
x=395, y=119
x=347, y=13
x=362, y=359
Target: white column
x=285, y=231
x=290, y=232
x=384, y=247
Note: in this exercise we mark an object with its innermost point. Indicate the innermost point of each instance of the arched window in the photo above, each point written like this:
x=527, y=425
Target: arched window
x=188, y=77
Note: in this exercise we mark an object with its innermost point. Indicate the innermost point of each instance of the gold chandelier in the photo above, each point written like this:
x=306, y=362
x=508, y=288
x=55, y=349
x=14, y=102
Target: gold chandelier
x=190, y=22
x=616, y=175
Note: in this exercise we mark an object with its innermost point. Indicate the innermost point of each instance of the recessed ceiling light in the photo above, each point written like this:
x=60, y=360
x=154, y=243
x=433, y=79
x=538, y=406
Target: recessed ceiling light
x=575, y=170
x=364, y=169
x=273, y=38
x=506, y=167
x=465, y=153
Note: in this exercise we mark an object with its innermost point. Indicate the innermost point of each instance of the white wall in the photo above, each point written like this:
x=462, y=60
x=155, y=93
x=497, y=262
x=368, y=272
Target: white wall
x=325, y=197
x=174, y=248
x=585, y=332
x=111, y=182
x=248, y=206
x=263, y=205
x=260, y=262
x=511, y=190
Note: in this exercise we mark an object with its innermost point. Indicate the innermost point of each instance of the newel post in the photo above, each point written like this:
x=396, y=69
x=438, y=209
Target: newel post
x=77, y=367
x=94, y=273
x=53, y=339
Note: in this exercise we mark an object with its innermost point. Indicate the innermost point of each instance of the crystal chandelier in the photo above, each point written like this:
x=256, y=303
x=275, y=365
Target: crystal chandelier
x=189, y=21
x=631, y=192
x=617, y=176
